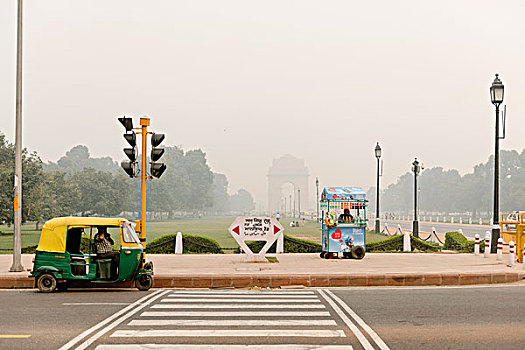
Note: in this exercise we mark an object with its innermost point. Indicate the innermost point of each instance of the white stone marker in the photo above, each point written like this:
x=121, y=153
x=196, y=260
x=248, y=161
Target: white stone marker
x=264, y=228
x=178, y=243
x=406, y=242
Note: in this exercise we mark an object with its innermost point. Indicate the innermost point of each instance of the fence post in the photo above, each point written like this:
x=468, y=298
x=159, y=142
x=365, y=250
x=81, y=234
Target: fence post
x=385, y=229
x=512, y=253
x=486, y=254
x=399, y=230
x=500, y=249
x=178, y=243
x=279, y=248
x=476, y=245
x=406, y=242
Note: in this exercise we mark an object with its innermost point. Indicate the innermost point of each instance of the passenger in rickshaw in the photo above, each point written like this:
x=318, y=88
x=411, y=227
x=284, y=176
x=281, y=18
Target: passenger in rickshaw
x=104, y=246
x=346, y=217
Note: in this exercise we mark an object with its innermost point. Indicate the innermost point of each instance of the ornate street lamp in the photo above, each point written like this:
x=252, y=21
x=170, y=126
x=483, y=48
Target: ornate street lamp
x=317, y=198
x=377, y=151
x=416, y=168
x=496, y=97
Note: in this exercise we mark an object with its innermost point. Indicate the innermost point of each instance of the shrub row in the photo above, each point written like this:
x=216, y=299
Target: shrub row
x=291, y=245
x=191, y=244
x=395, y=243
x=456, y=241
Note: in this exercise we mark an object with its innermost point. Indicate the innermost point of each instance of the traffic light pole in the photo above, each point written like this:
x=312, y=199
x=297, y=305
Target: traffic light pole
x=144, y=123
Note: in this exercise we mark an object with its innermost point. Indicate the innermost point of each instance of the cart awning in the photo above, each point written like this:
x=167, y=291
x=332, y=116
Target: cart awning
x=343, y=193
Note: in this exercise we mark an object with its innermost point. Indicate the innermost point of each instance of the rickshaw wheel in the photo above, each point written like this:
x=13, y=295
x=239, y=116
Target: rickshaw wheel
x=144, y=282
x=322, y=254
x=347, y=255
x=46, y=283
x=358, y=253
x=328, y=255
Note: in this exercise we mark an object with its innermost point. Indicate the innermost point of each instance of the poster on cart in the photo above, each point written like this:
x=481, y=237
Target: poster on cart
x=265, y=229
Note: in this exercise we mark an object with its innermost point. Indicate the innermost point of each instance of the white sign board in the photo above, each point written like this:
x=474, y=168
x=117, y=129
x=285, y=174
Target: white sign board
x=266, y=229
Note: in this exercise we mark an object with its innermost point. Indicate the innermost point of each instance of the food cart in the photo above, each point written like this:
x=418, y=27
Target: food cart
x=343, y=222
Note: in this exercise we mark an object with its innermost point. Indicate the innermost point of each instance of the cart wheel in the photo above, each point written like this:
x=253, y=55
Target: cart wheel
x=46, y=283
x=358, y=253
x=144, y=282
x=347, y=255
x=322, y=254
x=62, y=287
x=327, y=255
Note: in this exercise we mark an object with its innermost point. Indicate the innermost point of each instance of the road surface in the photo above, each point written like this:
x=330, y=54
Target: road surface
x=480, y=317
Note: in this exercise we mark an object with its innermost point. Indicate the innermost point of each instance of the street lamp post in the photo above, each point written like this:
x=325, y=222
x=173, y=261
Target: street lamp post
x=496, y=97
x=317, y=197
x=291, y=211
x=378, y=156
x=299, y=202
x=416, y=168
x=17, y=236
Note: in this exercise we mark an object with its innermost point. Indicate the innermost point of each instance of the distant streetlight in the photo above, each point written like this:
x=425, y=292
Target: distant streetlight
x=496, y=97
x=377, y=151
x=416, y=168
x=17, y=203
x=299, y=201
x=291, y=211
x=317, y=197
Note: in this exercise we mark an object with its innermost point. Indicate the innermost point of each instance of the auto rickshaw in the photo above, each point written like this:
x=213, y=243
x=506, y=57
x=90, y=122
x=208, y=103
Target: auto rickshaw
x=343, y=222
x=66, y=254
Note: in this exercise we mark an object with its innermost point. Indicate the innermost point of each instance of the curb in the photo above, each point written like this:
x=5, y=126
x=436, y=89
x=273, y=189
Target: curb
x=309, y=280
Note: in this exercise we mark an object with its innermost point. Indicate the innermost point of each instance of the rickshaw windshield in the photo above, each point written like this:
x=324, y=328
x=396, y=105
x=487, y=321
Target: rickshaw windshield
x=128, y=233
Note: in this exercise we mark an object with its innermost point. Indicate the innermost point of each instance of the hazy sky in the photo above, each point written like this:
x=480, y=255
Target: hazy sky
x=249, y=81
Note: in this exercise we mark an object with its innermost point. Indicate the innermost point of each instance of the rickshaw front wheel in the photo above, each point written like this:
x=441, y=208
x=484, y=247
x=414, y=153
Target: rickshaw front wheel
x=144, y=282
x=46, y=283
x=322, y=255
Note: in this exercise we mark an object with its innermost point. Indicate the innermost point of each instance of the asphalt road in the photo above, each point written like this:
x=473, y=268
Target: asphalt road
x=475, y=317
x=468, y=230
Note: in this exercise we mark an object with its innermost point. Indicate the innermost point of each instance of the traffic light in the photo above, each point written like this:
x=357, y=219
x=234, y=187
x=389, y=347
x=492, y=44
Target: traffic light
x=129, y=166
x=156, y=153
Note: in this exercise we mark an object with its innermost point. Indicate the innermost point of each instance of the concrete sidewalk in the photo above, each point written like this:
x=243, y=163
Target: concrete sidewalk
x=376, y=269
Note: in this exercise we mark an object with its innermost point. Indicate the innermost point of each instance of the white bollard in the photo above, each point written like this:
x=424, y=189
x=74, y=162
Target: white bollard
x=476, y=245
x=433, y=233
x=279, y=248
x=399, y=231
x=385, y=230
x=178, y=243
x=461, y=231
x=451, y=220
x=486, y=254
x=500, y=249
x=461, y=221
x=406, y=242
x=491, y=221
x=512, y=253
x=480, y=222
x=470, y=221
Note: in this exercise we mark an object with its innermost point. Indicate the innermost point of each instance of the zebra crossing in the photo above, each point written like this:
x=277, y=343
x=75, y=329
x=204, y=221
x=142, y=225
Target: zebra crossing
x=235, y=319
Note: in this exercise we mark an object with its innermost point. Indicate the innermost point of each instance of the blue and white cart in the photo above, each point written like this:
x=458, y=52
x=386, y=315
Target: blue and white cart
x=343, y=233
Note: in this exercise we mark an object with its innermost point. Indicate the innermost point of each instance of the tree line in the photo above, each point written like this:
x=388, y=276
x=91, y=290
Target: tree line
x=78, y=184
x=447, y=191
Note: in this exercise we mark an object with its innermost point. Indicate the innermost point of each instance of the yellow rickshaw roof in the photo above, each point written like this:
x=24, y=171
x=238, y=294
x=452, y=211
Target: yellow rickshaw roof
x=53, y=237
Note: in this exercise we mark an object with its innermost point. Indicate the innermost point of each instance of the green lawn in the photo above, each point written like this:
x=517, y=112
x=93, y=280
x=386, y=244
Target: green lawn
x=212, y=227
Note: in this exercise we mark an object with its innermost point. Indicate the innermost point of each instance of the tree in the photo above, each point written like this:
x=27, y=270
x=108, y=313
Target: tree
x=242, y=202
x=78, y=159
x=219, y=193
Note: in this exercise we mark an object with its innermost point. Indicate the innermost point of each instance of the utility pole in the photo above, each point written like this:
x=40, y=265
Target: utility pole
x=17, y=203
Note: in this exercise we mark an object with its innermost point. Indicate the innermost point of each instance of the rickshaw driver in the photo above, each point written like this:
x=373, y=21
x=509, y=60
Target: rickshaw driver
x=104, y=246
x=346, y=217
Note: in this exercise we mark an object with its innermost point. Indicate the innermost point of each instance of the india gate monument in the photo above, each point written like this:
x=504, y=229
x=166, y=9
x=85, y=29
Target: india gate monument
x=288, y=170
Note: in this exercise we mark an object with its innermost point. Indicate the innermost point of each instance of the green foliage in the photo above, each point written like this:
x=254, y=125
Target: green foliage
x=191, y=245
x=456, y=241
x=291, y=245
x=395, y=243
x=242, y=202
x=78, y=159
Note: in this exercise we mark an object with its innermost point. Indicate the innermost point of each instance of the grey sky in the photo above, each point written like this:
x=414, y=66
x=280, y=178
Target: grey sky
x=249, y=81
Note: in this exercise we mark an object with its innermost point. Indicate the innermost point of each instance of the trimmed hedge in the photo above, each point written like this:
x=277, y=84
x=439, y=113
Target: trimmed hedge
x=191, y=244
x=291, y=245
x=456, y=241
x=395, y=243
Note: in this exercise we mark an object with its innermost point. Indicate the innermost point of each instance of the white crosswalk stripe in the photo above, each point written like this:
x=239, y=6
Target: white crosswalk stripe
x=247, y=320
